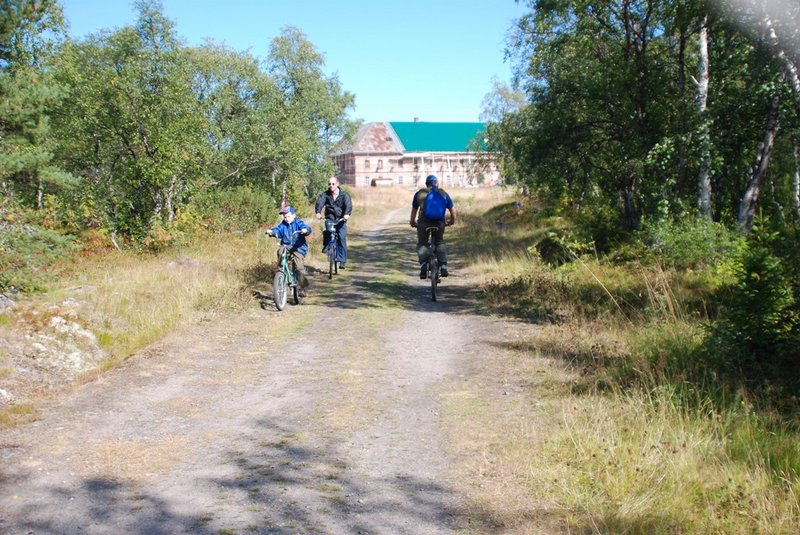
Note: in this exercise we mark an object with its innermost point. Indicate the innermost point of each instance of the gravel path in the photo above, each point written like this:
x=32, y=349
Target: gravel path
x=323, y=418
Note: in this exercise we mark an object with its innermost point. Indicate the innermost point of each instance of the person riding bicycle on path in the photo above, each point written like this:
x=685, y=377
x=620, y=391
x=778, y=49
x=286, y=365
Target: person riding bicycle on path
x=431, y=214
x=335, y=204
x=285, y=232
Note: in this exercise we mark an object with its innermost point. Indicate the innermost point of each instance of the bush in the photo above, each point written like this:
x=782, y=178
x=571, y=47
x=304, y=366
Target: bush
x=26, y=254
x=240, y=208
x=754, y=340
x=691, y=243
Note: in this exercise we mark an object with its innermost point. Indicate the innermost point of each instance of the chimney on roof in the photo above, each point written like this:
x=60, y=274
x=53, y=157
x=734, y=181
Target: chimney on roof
x=416, y=119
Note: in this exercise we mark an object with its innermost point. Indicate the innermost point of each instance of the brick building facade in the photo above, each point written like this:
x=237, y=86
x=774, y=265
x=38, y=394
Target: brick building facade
x=404, y=153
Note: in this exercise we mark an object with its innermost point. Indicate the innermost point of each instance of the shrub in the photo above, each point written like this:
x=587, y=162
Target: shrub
x=691, y=243
x=754, y=340
x=26, y=254
x=240, y=208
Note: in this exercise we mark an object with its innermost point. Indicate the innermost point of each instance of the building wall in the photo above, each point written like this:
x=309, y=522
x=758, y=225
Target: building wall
x=410, y=169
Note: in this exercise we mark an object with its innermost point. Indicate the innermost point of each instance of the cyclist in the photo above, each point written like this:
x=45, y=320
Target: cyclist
x=285, y=231
x=431, y=203
x=335, y=204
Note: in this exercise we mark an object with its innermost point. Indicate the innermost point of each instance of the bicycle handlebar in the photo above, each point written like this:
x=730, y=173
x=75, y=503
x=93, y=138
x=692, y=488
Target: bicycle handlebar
x=291, y=237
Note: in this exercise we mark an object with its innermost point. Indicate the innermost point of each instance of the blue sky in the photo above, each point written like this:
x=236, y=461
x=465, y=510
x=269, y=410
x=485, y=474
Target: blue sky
x=431, y=59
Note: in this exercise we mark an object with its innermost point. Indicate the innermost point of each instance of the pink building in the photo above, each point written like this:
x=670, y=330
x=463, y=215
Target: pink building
x=404, y=153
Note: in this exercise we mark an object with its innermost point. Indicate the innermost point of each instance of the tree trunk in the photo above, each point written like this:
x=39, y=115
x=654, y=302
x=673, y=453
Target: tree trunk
x=747, y=207
x=631, y=213
x=40, y=193
x=703, y=179
x=796, y=181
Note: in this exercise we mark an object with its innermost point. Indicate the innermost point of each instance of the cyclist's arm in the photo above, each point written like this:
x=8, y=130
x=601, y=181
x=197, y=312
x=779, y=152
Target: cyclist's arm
x=452, y=215
x=348, y=206
x=412, y=220
x=319, y=206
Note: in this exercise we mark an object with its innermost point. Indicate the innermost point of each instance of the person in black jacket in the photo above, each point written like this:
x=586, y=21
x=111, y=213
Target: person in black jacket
x=335, y=204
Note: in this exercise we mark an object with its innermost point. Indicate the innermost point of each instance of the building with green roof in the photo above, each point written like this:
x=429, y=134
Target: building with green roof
x=404, y=153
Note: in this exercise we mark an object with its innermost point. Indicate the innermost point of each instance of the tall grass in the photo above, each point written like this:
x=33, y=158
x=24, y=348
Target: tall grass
x=637, y=462
x=647, y=441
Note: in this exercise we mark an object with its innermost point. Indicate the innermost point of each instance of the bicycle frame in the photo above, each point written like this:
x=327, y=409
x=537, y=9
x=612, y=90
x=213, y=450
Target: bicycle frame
x=333, y=245
x=285, y=279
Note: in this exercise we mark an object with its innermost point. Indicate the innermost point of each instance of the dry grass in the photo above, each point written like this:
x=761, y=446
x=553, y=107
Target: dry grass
x=613, y=458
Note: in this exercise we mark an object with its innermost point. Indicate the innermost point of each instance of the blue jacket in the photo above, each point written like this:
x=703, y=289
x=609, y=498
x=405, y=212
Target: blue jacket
x=284, y=232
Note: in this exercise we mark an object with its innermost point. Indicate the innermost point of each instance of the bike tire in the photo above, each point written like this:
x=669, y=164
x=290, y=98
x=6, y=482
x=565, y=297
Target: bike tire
x=434, y=268
x=280, y=290
x=331, y=260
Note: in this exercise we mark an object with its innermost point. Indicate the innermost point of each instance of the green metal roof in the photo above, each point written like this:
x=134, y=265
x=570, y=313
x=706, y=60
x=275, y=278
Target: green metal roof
x=437, y=137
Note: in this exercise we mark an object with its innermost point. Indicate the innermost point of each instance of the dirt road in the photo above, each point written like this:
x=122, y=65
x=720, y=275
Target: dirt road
x=323, y=418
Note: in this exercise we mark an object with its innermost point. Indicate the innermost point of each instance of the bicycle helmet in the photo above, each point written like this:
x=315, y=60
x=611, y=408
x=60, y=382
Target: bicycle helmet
x=431, y=179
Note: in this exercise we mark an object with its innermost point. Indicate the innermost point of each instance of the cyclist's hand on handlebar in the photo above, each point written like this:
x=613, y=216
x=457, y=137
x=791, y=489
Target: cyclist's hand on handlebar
x=303, y=231
x=346, y=217
x=269, y=232
x=318, y=215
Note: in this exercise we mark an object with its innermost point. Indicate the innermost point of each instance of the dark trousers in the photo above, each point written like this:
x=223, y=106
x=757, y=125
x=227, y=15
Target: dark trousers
x=341, y=243
x=438, y=240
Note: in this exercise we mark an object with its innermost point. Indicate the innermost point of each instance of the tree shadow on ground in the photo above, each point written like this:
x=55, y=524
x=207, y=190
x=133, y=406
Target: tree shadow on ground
x=274, y=483
x=102, y=505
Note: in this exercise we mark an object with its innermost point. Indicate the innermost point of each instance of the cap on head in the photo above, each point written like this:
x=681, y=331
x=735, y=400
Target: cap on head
x=287, y=210
x=431, y=179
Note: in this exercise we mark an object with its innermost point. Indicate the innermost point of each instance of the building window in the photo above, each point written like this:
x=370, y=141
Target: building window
x=380, y=164
x=366, y=181
x=366, y=164
x=399, y=181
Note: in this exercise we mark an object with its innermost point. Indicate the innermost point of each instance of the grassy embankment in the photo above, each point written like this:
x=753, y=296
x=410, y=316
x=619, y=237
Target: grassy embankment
x=621, y=444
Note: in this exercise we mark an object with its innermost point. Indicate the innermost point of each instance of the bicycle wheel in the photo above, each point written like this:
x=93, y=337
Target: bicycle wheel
x=280, y=290
x=433, y=264
x=331, y=259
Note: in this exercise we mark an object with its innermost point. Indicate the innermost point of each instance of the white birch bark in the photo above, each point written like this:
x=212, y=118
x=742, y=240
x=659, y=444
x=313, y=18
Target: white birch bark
x=796, y=181
x=747, y=206
x=704, y=176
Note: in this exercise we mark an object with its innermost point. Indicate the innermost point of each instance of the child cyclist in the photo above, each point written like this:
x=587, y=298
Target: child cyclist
x=285, y=231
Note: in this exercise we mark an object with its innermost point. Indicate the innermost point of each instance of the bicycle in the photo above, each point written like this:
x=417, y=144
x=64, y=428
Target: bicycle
x=433, y=262
x=285, y=280
x=333, y=245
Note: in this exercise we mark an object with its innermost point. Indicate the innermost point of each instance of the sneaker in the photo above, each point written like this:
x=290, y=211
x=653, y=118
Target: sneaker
x=443, y=271
x=341, y=265
x=302, y=292
x=423, y=271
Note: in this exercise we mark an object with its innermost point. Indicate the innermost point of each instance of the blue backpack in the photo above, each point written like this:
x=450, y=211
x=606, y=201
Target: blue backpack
x=435, y=206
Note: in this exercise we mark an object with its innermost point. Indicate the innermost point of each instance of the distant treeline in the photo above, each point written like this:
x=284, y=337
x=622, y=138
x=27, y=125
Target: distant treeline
x=130, y=132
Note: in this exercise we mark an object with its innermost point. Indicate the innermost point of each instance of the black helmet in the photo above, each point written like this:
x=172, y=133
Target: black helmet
x=431, y=179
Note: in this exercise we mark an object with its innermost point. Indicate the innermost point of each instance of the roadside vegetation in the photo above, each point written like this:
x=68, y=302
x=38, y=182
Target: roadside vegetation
x=663, y=425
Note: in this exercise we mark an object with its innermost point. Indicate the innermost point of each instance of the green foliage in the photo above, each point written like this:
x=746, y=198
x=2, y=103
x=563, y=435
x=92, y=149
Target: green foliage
x=691, y=243
x=28, y=93
x=238, y=208
x=27, y=252
x=755, y=338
